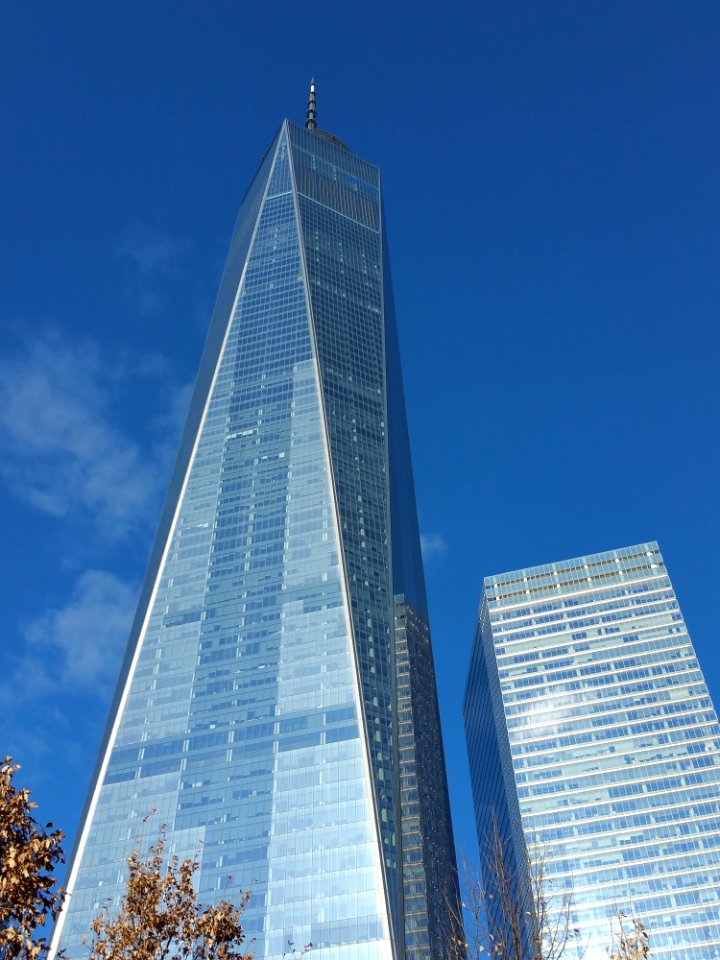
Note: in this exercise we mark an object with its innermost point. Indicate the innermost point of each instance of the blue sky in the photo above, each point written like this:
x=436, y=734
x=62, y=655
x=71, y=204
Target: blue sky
x=550, y=174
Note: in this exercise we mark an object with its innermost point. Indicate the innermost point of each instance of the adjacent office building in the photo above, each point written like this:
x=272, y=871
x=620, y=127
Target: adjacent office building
x=593, y=740
x=258, y=711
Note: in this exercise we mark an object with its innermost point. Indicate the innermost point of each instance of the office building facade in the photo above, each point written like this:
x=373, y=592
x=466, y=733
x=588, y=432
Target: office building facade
x=257, y=709
x=593, y=742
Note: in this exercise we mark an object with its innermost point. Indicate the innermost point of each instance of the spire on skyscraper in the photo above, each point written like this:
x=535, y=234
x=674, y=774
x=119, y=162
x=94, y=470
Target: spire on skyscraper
x=311, y=121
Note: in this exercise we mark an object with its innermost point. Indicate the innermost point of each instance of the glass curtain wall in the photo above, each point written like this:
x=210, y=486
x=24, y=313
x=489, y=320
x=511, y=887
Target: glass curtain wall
x=586, y=692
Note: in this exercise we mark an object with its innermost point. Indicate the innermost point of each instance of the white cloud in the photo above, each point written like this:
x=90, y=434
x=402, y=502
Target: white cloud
x=78, y=646
x=152, y=252
x=63, y=669
x=433, y=546
x=63, y=450
x=154, y=258
x=87, y=437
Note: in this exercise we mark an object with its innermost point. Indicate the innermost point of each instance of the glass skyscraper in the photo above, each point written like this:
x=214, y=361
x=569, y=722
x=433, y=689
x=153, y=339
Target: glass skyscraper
x=593, y=740
x=258, y=709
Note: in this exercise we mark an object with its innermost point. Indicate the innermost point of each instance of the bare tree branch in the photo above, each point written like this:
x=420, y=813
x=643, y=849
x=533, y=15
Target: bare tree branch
x=509, y=911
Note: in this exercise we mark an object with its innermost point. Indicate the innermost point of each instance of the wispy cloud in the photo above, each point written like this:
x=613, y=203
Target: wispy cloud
x=153, y=258
x=152, y=253
x=63, y=449
x=80, y=643
x=433, y=546
x=65, y=656
x=78, y=446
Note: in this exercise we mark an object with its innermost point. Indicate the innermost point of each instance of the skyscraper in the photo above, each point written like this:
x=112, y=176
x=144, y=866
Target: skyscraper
x=592, y=738
x=257, y=708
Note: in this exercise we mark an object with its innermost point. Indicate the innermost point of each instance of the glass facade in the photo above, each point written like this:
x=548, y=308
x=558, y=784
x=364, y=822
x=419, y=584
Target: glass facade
x=256, y=712
x=586, y=702
x=429, y=874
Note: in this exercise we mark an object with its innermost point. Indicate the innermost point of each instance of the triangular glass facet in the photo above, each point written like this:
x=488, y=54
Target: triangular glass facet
x=239, y=722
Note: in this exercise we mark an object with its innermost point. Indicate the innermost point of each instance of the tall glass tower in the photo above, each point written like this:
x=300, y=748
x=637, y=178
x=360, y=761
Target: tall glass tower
x=257, y=711
x=593, y=740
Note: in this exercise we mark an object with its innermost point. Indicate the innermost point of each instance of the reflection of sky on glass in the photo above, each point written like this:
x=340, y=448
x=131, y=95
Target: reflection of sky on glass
x=550, y=181
x=241, y=719
x=612, y=746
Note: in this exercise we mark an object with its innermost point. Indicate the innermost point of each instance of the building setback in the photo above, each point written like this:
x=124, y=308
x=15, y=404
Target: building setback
x=257, y=711
x=592, y=738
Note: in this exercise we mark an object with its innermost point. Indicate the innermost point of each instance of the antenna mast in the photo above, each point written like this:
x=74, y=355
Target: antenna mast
x=311, y=122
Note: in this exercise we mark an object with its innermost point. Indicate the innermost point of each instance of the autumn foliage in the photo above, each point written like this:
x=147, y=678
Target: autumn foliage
x=29, y=854
x=631, y=940
x=160, y=916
